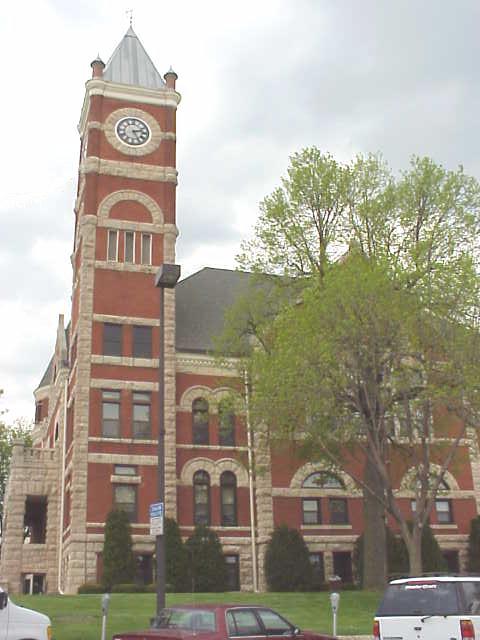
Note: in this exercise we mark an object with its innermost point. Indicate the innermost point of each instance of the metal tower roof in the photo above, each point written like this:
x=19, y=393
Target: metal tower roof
x=130, y=64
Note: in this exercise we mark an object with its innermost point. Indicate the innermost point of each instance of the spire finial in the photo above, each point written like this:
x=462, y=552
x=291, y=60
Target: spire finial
x=129, y=12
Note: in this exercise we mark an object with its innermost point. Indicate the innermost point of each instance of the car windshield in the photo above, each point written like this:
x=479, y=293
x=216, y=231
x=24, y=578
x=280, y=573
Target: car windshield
x=189, y=619
x=420, y=598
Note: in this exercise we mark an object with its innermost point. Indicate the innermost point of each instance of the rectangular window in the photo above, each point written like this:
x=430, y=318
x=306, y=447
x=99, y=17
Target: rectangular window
x=342, y=565
x=311, y=511
x=129, y=246
x=146, y=248
x=233, y=572
x=318, y=568
x=124, y=470
x=338, y=510
x=444, y=511
x=142, y=424
x=201, y=497
x=112, y=339
x=111, y=414
x=125, y=498
x=112, y=247
x=38, y=412
x=142, y=342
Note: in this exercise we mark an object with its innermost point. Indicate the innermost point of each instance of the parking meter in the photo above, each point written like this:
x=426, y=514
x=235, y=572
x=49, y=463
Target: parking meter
x=105, y=605
x=335, y=602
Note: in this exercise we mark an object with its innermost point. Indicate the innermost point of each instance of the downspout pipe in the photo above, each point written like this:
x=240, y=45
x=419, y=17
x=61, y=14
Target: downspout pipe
x=250, y=481
x=62, y=489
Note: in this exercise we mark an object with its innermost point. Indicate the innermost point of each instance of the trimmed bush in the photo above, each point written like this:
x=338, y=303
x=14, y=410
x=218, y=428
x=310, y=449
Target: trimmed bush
x=131, y=587
x=208, y=570
x=176, y=560
x=397, y=555
x=91, y=587
x=474, y=546
x=432, y=558
x=287, y=564
x=118, y=560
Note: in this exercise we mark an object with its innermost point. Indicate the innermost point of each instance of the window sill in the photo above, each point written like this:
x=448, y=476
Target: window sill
x=451, y=525
x=121, y=440
x=119, y=479
x=212, y=447
x=217, y=527
x=125, y=361
x=327, y=526
x=115, y=265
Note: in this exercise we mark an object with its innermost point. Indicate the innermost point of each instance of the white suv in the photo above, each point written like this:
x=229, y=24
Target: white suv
x=429, y=608
x=18, y=623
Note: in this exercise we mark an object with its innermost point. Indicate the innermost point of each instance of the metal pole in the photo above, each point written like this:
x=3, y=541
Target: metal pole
x=250, y=481
x=160, y=541
x=166, y=278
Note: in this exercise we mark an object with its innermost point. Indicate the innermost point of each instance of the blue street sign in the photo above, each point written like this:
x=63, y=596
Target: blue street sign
x=156, y=510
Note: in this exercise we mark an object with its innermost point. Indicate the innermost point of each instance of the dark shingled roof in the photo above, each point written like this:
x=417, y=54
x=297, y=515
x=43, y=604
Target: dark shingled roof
x=201, y=302
x=48, y=375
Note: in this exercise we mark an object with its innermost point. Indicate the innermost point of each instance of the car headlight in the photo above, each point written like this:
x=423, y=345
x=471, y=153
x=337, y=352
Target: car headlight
x=49, y=632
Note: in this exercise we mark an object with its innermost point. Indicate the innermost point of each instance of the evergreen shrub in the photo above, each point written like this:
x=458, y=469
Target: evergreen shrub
x=397, y=555
x=474, y=546
x=176, y=559
x=91, y=587
x=432, y=558
x=118, y=559
x=130, y=587
x=287, y=563
x=208, y=570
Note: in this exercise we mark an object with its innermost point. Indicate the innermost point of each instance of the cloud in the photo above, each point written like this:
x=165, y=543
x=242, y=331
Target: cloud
x=259, y=81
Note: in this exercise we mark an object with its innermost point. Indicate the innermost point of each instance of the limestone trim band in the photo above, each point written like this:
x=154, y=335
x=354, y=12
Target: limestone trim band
x=107, y=383
x=93, y=164
x=148, y=322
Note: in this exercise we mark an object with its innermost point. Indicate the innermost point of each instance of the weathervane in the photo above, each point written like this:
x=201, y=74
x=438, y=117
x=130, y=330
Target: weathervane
x=129, y=12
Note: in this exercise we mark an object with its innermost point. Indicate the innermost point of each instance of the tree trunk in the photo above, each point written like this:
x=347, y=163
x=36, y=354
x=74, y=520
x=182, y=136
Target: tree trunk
x=414, y=548
x=375, y=542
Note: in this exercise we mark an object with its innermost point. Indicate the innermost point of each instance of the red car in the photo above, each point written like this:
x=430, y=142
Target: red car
x=220, y=622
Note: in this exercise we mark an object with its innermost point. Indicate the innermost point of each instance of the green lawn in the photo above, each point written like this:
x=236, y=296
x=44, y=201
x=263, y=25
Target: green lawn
x=79, y=617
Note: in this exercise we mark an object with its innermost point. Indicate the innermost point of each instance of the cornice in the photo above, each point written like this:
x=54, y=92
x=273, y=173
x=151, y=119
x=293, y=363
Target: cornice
x=203, y=363
x=98, y=87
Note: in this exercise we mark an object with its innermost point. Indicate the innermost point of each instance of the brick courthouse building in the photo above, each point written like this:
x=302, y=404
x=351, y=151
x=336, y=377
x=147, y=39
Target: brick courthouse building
x=95, y=435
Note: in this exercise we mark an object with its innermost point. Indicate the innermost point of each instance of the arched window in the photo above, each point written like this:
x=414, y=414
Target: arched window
x=201, y=498
x=226, y=420
x=228, y=489
x=323, y=480
x=200, y=421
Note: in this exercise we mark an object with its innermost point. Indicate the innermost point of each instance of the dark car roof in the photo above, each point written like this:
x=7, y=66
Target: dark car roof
x=218, y=606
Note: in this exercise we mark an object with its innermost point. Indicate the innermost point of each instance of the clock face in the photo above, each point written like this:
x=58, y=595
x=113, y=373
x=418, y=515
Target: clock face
x=132, y=131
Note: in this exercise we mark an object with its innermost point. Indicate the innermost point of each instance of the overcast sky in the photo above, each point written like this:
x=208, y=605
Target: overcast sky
x=259, y=80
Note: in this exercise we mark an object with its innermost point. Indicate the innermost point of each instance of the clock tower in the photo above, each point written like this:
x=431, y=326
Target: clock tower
x=125, y=228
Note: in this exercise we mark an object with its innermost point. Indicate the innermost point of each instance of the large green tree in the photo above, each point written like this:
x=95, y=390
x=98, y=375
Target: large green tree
x=378, y=331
